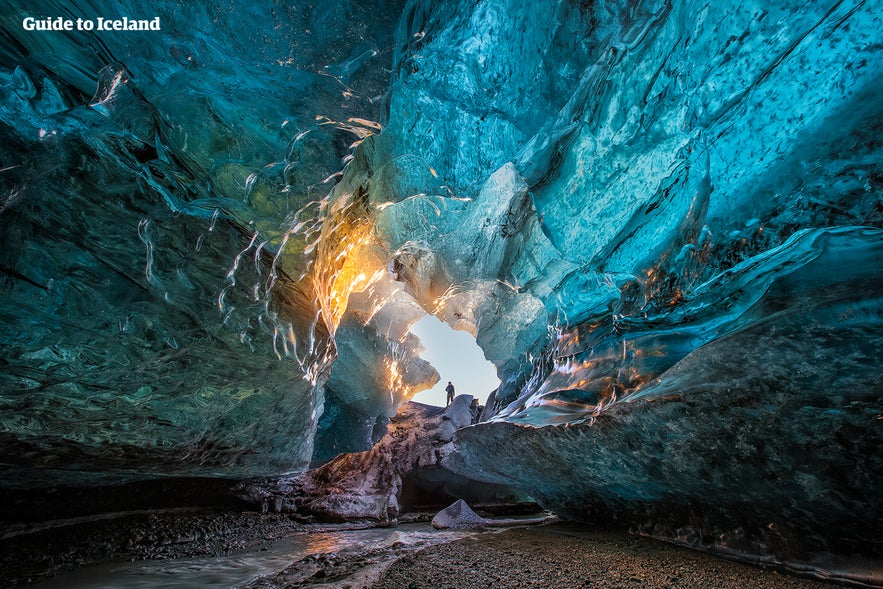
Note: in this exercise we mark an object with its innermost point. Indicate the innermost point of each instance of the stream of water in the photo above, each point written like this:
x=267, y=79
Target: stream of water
x=239, y=569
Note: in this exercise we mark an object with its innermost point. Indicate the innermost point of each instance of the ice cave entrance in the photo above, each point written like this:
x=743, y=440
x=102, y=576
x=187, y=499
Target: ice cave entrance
x=457, y=358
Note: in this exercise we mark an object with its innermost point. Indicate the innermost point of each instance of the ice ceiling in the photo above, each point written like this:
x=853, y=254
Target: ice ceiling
x=661, y=221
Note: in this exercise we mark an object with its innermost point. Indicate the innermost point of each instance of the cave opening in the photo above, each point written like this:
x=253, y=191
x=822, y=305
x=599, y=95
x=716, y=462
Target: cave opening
x=458, y=358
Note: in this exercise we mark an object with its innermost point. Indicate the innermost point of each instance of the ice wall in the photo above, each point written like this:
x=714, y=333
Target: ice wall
x=660, y=220
x=697, y=227
x=162, y=196
x=652, y=148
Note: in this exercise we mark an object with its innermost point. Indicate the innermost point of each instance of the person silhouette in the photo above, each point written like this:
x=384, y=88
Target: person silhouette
x=450, y=390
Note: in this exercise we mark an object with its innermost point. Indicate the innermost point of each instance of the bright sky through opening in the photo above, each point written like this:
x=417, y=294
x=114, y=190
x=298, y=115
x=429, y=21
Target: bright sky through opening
x=457, y=358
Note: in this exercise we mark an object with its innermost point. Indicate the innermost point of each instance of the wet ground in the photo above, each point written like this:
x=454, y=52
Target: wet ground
x=38, y=552
x=185, y=550
x=181, y=549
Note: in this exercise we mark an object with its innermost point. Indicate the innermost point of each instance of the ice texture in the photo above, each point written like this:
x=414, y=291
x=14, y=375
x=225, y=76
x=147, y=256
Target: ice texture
x=661, y=221
x=401, y=472
x=758, y=441
x=160, y=193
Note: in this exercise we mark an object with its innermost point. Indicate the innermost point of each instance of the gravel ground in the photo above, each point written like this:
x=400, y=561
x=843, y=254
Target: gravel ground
x=558, y=556
x=563, y=557
x=30, y=557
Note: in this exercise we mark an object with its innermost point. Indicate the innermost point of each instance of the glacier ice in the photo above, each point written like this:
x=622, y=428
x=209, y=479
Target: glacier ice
x=661, y=221
x=402, y=472
x=758, y=439
x=155, y=308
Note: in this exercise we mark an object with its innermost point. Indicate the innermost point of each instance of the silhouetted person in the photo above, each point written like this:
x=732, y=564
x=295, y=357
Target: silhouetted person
x=450, y=391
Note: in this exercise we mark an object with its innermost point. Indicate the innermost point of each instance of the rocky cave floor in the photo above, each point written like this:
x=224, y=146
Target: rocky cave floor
x=32, y=554
x=561, y=556
x=555, y=556
x=547, y=557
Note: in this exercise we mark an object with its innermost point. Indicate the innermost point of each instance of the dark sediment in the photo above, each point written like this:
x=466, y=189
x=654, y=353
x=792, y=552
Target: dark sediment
x=55, y=548
x=559, y=556
x=564, y=556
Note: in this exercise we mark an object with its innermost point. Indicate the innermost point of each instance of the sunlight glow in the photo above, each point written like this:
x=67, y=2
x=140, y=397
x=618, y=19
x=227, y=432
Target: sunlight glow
x=457, y=358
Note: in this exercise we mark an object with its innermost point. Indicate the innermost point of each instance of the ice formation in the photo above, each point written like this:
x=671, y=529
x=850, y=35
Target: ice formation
x=401, y=473
x=661, y=221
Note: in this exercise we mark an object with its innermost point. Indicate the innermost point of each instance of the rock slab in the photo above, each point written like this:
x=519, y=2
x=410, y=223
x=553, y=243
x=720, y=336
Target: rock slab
x=457, y=516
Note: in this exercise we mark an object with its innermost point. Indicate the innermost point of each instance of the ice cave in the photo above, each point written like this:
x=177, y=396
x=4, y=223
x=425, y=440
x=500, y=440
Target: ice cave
x=662, y=222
